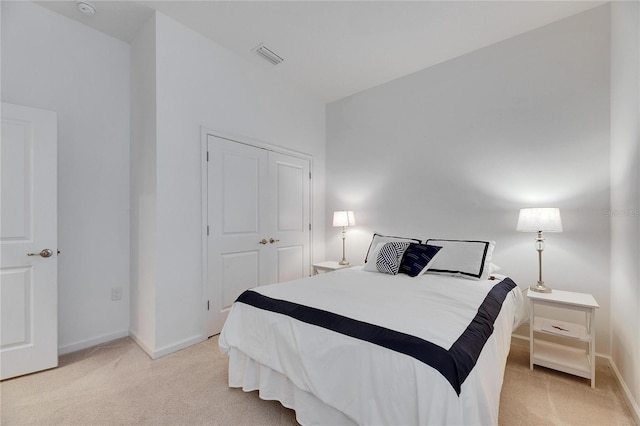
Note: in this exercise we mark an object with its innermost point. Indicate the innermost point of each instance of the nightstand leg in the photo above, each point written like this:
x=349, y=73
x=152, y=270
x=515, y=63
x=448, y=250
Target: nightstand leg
x=592, y=346
x=531, y=316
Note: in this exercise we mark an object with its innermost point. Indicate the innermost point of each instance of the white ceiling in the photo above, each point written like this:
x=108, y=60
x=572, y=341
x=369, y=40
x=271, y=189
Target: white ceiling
x=333, y=49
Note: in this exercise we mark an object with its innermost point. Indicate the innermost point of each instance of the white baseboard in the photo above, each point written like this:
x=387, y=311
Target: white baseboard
x=84, y=344
x=166, y=350
x=141, y=343
x=520, y=337
x=169, y=349
x=626, y=392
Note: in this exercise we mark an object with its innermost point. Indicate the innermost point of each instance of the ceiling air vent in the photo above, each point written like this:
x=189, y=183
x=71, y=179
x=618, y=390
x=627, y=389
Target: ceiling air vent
x=268, y=54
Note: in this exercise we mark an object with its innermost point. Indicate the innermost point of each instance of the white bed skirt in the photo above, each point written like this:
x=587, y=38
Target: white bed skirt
x=250, y=375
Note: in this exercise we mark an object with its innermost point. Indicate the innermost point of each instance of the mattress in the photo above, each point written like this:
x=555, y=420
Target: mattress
x=357, y=347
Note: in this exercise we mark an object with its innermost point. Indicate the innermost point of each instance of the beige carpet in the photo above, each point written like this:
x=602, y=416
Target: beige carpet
x=117, y=384
x=548, y=397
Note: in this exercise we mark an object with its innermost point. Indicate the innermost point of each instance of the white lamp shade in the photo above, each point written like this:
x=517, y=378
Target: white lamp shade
x=546, y=219
x=343, y=218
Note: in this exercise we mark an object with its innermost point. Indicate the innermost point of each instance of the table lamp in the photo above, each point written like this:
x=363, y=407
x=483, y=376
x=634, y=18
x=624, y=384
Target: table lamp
x=546, y=219
x=343, y=218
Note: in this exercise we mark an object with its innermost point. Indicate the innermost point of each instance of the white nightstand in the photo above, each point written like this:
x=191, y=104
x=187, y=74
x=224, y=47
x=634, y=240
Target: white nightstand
x=569, y=359
x=328, y=266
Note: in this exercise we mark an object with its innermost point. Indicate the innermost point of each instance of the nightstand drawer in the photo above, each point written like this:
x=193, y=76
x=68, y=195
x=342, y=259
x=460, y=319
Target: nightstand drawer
x=561, y=328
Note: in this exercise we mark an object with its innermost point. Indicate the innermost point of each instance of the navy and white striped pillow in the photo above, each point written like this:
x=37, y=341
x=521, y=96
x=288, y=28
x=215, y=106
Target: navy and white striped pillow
x=390, y=257
x=418, y=258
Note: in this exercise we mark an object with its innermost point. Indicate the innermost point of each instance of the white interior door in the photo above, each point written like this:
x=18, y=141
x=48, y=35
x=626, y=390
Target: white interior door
x=258, y=222
x=29, y=239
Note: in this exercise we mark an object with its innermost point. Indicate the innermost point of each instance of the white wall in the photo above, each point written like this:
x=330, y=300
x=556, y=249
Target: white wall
x=455, y=150
x=625, y=197
x=143, y=187
x=199, y=83
x=181, y=81
x=51, y=62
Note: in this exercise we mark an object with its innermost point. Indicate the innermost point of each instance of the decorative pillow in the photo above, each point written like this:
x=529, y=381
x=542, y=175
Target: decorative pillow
x=463, y=258
x=378, y=238
x=417, y=259
x=389, y=257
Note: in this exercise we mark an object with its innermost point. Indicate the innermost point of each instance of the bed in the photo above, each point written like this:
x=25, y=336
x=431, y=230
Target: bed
x=357, y=346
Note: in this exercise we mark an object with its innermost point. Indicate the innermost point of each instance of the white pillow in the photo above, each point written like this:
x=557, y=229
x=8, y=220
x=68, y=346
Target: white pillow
x=493, y=268
x=463, y=258
x=373, y=254
x=377, y=238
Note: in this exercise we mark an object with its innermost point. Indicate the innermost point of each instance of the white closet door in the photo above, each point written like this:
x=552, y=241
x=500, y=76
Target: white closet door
x=29, y=239
x=237, y=242
x=289, y=215
x=258, y=217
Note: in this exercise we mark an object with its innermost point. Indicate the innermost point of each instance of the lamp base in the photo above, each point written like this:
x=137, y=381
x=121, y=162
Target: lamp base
x=343, y=262
x=540, y=288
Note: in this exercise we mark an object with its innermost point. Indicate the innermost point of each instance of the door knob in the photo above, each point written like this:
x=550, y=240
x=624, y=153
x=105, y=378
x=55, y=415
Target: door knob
x=264, y=241
x=271, y=240
x=43, y=253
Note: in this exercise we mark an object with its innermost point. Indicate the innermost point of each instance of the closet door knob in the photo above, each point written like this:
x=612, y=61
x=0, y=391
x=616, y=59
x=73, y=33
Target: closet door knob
x=271, y=240
x=264, y=241
x=43, y=253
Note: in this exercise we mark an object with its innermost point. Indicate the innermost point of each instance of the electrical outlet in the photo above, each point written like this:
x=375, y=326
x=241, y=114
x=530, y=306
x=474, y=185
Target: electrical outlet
x=116, y=293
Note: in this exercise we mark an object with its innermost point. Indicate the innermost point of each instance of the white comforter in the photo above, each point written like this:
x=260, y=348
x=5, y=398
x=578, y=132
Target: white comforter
x=368, y=383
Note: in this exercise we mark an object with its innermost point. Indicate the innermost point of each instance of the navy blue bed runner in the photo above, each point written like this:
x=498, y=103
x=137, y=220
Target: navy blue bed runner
x=454, y=364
